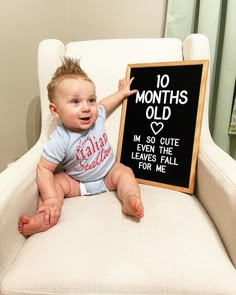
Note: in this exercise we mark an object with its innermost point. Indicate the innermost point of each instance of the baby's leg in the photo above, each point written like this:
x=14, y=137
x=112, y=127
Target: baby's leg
x=122, y=179
x=66, y=187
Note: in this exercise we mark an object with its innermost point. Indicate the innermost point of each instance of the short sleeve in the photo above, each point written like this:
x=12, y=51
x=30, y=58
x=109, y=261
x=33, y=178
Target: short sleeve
x=55, y=149
x=102, y=112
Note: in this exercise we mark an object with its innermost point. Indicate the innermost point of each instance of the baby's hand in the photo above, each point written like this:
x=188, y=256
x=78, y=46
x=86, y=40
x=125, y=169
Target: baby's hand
x=52, y=210
x=124, y=87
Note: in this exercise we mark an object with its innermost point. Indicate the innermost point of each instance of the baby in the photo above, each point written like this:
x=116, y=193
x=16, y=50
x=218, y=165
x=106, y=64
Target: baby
x=80, y=143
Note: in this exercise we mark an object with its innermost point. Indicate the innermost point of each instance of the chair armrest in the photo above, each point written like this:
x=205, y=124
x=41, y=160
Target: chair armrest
x=18, y=196
x=216, y=172
x=216, y=190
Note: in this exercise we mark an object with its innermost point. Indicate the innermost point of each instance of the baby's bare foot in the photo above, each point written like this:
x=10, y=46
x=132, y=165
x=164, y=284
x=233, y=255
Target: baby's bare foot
x=29, y=225
x=133, y=206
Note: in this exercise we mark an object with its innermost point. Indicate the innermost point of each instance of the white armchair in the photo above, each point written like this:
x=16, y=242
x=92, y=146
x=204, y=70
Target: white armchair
x=185, y=244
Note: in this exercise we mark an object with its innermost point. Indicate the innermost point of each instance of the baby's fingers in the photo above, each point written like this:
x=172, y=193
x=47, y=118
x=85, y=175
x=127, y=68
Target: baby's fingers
x=46, y=216
x=121, y=83
x=46, y=213
x=131, y=80
x=124, y=82
x=133, y=91
x=54, y=216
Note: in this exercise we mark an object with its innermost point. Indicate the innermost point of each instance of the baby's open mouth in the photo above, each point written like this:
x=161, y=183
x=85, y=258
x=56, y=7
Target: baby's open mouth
x=85, y=119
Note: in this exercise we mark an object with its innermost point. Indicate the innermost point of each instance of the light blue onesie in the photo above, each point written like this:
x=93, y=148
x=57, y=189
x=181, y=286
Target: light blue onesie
x=86, y=156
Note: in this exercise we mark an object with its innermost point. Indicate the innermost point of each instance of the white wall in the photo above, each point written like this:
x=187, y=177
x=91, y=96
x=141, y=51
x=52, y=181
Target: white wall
x=24, y=23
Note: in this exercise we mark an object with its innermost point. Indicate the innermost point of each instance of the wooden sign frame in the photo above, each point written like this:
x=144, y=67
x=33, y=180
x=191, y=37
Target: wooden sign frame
x=174, y=89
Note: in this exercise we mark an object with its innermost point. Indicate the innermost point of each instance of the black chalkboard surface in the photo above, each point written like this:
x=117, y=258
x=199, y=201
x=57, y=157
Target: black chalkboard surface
x=160, y=125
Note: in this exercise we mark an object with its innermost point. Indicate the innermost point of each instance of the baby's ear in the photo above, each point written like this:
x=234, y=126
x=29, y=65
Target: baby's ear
x=53, y=110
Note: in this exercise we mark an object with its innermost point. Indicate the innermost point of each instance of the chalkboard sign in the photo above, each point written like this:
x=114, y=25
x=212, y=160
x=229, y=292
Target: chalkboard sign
x=160, y=124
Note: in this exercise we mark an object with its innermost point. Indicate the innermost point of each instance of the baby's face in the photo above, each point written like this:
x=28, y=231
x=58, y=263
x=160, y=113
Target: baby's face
x=75, y=103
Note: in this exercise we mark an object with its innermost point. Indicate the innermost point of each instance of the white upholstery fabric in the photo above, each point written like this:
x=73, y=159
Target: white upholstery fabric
x=95, y=249
x=183, y=245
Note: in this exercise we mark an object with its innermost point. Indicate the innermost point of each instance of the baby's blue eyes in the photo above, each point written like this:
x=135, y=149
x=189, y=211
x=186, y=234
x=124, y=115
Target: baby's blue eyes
x=77, y=101
x=92, y=100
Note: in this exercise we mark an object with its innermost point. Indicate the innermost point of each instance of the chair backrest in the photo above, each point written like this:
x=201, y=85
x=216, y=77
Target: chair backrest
x=105, y=62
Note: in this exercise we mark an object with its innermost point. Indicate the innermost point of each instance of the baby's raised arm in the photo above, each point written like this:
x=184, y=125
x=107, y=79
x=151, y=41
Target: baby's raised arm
x=111, y=102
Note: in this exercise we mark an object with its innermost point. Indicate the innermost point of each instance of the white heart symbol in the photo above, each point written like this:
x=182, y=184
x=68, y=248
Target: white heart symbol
x=156, y=127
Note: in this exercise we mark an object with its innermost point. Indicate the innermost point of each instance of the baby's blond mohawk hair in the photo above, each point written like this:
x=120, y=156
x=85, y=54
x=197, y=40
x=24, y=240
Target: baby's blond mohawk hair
x=70, y=68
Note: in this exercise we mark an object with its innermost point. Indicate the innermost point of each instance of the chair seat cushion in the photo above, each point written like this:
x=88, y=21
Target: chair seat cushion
x=95, y=249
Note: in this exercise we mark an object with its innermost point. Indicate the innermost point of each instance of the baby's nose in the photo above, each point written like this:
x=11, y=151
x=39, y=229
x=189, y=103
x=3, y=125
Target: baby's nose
x=85, y=107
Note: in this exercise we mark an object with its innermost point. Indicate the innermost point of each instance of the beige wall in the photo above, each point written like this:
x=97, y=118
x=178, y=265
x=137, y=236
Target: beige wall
x=24, y=23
